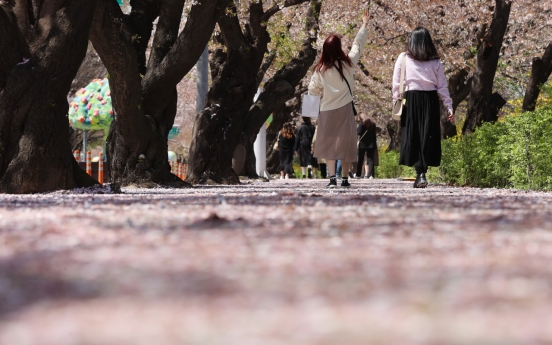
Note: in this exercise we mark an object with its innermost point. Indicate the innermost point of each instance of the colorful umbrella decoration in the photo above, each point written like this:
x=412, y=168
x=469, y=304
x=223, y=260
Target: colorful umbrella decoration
x=91, y=109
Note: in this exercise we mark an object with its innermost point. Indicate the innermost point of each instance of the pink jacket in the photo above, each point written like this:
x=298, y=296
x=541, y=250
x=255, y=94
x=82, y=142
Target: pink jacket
x=422, y=76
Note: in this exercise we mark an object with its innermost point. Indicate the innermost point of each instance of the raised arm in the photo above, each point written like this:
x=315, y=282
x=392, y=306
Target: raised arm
x=360, y=39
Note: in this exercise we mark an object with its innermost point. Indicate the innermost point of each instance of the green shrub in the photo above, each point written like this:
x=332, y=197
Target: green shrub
x=514, y=152
x=529, y=149
x=389, y=166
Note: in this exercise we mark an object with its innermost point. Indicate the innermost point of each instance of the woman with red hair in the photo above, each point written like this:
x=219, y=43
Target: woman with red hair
x=333, y=82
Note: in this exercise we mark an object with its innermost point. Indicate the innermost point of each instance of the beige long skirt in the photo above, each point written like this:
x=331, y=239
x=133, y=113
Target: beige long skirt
x=336, y=136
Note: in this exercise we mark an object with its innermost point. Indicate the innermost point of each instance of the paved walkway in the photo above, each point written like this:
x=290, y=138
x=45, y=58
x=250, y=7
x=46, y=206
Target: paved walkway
x=281, y=262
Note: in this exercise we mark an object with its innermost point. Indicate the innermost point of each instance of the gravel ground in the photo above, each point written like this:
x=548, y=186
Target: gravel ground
x=280, y=262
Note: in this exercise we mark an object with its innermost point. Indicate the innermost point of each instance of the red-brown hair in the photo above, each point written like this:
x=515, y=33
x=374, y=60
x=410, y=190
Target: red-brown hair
x=367, y=122
x=287, y=131
x=332, y=53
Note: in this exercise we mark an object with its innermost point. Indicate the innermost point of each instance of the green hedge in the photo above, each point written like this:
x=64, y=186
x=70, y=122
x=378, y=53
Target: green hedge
x=515, y=152
x=389, y=166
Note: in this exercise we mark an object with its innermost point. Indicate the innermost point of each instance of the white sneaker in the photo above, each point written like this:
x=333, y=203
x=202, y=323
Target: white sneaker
x=371, y=177
x=281, y=177
x=287, y=177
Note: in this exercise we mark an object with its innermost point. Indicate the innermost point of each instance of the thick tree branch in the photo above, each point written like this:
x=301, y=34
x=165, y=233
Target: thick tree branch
x=482, y=104
x=112, y=40
x=277, y=8
x=12, y=45
x=257, y=25
x=141, y=18
x=265, y=66
x=184, y=53
x=540, y=72
x=281, y=87
x=231, y=30
x=21, y=11
x=167, y=30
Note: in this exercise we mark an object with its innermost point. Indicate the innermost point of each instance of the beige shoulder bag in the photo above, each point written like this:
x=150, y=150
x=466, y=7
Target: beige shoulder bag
x=398, y=104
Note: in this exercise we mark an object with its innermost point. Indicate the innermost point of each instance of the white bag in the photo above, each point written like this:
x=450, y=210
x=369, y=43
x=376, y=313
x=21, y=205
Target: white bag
x=311, y=106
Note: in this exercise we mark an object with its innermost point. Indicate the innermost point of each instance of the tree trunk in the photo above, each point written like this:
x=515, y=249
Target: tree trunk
x=219, y=128
x=459, y=87
x=480, y=108
x=540, y=72
x=281, y=87
x=145, y=105
x=394, y=131
x=35, y=153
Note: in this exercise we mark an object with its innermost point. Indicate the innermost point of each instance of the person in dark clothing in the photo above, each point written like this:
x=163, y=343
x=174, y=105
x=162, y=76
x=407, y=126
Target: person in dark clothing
x=286, y=144
x=367, y=146
x=303, y=145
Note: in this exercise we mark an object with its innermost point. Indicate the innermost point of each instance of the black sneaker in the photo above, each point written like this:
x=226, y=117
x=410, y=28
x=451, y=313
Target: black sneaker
x=303, y=176
x=309, y=173
x=345, y=183
x=333, y=183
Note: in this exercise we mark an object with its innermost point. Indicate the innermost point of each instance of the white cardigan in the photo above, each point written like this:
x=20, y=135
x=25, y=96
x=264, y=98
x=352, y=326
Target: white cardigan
x=329, y=85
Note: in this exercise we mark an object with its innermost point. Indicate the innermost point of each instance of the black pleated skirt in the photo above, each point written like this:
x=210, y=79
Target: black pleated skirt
x=421, y=129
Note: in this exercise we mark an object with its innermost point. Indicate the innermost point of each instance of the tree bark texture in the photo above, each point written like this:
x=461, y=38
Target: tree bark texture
x=459, y=86
x=394, y=131
x=145, y=99
x=42, y=47
x=480, y=105
x=540, y=72
x=221, y=126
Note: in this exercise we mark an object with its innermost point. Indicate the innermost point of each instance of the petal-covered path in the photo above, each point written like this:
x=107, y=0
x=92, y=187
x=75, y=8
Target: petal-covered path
x=280, y=262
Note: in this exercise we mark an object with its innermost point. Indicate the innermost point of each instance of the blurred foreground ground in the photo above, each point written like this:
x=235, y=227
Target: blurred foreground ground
x=283, y=262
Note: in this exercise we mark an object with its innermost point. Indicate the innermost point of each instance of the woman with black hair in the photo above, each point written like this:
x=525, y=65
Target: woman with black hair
x=333, y=81
x=425, y=83
x=367, y=146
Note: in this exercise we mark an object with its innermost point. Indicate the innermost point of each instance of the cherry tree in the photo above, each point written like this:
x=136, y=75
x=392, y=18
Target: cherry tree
x=42, y=44
x=220, y=129
x=144, y=89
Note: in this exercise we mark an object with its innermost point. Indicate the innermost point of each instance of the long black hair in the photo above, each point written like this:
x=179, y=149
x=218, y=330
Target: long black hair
x=420, y=45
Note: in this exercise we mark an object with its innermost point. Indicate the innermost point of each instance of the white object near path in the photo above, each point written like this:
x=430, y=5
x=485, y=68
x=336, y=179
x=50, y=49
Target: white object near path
x=311, y=106
x=259, y=147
